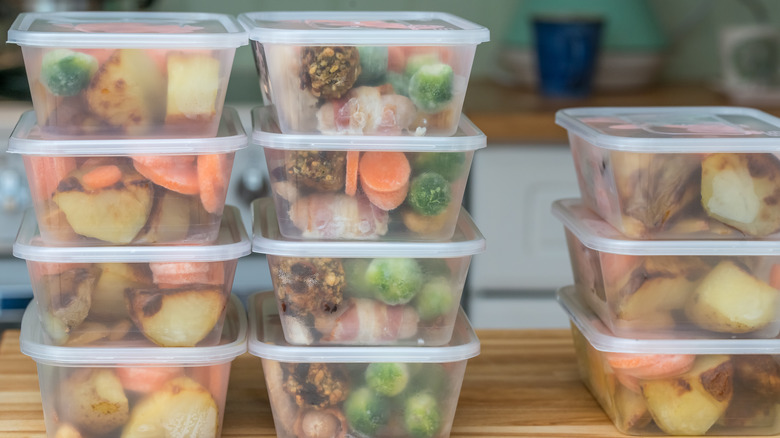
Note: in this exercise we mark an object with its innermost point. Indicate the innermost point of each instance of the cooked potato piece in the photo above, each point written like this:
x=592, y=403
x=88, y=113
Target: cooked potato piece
x=193, y=86
x=94, y=400
x=631, y=409
x=108, y=299
x=169, y=220
x=731, y=300
x=68, y=300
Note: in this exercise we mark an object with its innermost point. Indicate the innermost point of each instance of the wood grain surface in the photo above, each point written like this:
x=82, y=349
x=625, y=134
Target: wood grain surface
x=524, y=384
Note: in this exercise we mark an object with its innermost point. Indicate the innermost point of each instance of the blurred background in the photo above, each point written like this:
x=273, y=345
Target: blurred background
x=650, y=52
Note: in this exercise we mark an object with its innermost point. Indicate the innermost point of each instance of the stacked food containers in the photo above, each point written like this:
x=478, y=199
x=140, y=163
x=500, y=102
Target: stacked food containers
x=368, y=246
x=674, y=247
x=131, y=250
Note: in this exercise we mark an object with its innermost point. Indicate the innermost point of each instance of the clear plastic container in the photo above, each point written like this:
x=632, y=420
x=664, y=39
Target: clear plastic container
x=128, y=191
x=366, y=188
x=173, y=296
x=364, y=73
x=677, y=386
x=678, y=172
x=131, y=388
x=366, y=293
x=673, y=288
x=359, y=391
x=128, y=74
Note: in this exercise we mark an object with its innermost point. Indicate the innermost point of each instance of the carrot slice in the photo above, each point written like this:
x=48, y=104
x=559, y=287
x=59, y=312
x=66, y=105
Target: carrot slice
x=387, y=200
x=213, y=178
x=177, y=173
x=650, y=366
x=396, y=58
x=146, y=379
x=39, y=269
x=45, y=174
x=384, y=171
x=101, y=177
x=170, y=275
x=774, y=276
x=350, y=186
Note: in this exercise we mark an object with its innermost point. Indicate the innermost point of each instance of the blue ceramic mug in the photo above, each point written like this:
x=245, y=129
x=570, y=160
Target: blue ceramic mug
x=567, y=49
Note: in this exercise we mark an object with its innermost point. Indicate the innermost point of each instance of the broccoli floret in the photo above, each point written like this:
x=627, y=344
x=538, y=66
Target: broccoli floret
x=65, y=72
x=421, y=415
x=397, y=281
x=429, y=194
x=430, y=88
x=415, y=62
x=366, y=411
x=355, y=276
x=373, y=65
x=447, y=164
x=387, y=378
x=434, y=299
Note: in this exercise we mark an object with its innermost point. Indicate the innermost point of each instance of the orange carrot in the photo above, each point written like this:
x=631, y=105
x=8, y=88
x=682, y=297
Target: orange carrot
x=101, y=177
x=45, y=174
x=384, y=171
x=396, y=58
x=177, y=173
x=146, y=379
x=650, y=366
x=774, y=276
x=387, y=200
x=213, y=175
x=174, y=274
x=350, y=187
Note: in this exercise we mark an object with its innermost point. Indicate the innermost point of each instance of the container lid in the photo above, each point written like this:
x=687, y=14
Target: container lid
x=362, y=27
x=676, y=129
x=602, y=339
x=27, y=139
x=232, y=243
x=597, y=234
x=32, y=342
x=266, y=340
x=266, y=133
x=127, y=29
x=267, y=239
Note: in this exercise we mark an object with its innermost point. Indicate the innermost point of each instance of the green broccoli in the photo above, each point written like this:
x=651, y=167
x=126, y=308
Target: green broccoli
x=366, y=411
x=429, y=194
x=373, y=65
x=447, y=164
x=434, y=299
x=421, y=415
x=430, y=88
x=355, y=276
x=387, y=378
x=65, y=72
x=416, y=61
x=396, y=280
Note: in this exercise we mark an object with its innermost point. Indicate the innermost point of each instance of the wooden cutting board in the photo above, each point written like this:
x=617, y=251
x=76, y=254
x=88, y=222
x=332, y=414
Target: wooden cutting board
x=524, y=384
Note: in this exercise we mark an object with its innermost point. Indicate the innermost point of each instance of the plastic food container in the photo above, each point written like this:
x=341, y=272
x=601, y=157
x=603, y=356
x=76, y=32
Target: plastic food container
x=366, y=188
x=128, y=74
x=677, y=386
x=133, y=389
x=139, y=191
x=173, y=296
x=673, y=288
x=359, y=391
x=366, y=293
x=364, y=73
x=678, y=172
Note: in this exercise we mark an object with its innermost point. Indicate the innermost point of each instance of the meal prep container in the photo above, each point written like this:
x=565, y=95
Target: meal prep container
x=139, y=191
x=364, y=73
x=673, y=288
x=677, y=386
x=131, y=388
x=359, y=391
x=128, y=74
x=366, y=188
x=366, y=293
x=678, y=172
x=174, y=296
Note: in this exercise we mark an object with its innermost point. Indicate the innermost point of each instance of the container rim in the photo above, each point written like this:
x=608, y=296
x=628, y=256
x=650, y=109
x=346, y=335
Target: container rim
x=32, y=343
x=262, y=305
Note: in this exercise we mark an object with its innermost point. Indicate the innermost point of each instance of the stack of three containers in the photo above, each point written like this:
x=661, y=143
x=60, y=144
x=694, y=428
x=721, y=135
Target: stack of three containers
x=128, y=154
x=368, y=246
x=675, y=309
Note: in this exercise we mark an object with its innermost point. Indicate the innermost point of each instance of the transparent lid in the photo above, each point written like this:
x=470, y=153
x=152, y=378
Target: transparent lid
x=677, y=129
x=602, y=339
x=26, y=139
x=266, y=340
x=32, y=342
x=232, y=243
x=362, y=27
x=597, y=234
x=266, y=133
x=127, y=29
x=267, y=239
